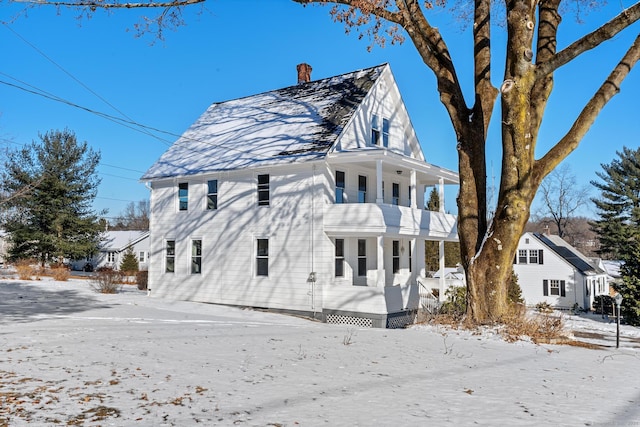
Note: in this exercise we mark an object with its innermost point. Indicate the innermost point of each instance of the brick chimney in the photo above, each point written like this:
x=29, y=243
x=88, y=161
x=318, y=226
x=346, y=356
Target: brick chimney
x=304, y=73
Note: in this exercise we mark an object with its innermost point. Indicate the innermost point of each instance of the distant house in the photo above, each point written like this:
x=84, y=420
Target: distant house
x=551, y=270
x=112, y=248
x=308, y=199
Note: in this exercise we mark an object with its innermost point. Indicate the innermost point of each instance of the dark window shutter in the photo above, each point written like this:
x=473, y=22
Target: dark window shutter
x=515, y=258
x=563, y=292
x=545, y=288
x=540, y=259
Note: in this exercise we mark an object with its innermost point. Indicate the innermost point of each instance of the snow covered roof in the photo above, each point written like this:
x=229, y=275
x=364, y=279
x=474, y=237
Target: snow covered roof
x=293, y=124
x=569, y=253
x=118, y=241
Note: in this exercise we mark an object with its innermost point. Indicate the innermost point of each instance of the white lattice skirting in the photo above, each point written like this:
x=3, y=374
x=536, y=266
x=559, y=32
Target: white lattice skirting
x=362, y=322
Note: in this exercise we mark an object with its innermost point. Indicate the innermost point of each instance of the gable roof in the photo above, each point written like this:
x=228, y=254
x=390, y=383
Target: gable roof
x=119, y=240
x=569, y=253
x=293, y=124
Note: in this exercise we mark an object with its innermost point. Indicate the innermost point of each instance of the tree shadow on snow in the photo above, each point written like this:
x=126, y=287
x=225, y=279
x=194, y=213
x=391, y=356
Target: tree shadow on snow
x=21, y=302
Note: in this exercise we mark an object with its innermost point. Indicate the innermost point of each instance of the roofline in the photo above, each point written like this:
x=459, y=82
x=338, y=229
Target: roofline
x=591, y=272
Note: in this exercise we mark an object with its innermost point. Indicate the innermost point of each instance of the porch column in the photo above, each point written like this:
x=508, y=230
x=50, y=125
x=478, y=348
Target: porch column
x=414, y=259
x=380, y=253
x=413, y=193
x=441, y=260
x=441, y=194
x=379, y=198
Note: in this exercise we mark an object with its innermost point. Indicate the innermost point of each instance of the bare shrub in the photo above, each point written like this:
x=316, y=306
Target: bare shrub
x=26, y=269
x=540, y=328
x=142, y=279
x=61, y=274
x=107, y=282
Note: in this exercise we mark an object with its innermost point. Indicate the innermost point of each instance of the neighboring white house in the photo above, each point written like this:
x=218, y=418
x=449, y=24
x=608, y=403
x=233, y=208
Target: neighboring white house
x=112, y=248
x=308, y=199
x=551, y=270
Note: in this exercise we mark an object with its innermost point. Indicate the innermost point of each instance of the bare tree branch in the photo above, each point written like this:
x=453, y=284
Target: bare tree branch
x=590, y=41
x=590, y=112
x=113, y=4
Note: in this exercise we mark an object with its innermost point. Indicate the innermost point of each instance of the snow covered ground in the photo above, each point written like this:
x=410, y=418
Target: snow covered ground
x=70, y=356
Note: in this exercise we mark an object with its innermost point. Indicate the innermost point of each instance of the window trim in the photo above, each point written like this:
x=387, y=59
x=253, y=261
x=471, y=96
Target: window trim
x=168, y=255
x=362, y=190
x=339, y=258
x=362, y=258
x=340, y=190
x=260, y=257
x=183, y=200
x=196, y=257
x=264, y=188
x=395, y=256
x=212, y=197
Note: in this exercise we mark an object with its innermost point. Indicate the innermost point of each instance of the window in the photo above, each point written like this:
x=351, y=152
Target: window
x=339, y=270
x=339, y=187
x=212, y=194
x=362, y=257
x=410, y=257
x=554, y=287
x=385, y=132
x=362, y=189
x=170, y=257
x=141, y=256
x=111, y=257
x=263, y=190
x=522, y=256
x=379, y=135
x=396, y=256
x=533, y=256
x=395, y=194
x=262, y=257
x=375, y=130
x=183, y=195
x=196, y=256
x=409, y=192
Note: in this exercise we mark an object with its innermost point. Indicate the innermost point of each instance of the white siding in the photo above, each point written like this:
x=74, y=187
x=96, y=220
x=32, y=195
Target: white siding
x=229, y=236
x=554, y=267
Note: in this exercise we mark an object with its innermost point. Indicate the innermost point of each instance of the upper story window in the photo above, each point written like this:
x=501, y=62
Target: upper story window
x=263, y=190
x=395, y=194
x=111, y=257
x=530, y=256
x=212, y=194
x=379, y=131
x=183, y=196
x=522, y=256
x=362, y=189
x=340, y=185
x=141, y=256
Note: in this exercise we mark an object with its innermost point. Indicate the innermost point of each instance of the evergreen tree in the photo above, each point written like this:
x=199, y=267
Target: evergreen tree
x=432, y=251
x=619, y=225
x=618, y=202
x=129, y=264
x=54, y=219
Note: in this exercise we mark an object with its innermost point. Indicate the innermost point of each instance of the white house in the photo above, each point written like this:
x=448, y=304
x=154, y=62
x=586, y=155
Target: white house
x=308, y=199
x=112, y=248
x=551, y=270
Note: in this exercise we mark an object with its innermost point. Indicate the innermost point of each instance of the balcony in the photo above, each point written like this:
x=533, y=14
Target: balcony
x=360, y=219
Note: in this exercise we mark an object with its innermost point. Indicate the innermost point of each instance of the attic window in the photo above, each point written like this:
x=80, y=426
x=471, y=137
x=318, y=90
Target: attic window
x=379, y=135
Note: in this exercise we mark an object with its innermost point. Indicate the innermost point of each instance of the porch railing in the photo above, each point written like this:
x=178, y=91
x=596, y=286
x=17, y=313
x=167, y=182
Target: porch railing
x=428, y=301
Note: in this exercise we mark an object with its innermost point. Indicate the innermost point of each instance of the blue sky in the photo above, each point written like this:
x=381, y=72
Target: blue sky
x=242, y=47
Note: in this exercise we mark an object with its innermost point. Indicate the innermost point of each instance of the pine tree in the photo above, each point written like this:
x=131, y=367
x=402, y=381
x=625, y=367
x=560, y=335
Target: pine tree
x=432, y=251
x=129, y=264
x=619, y=225
x=53, y=219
